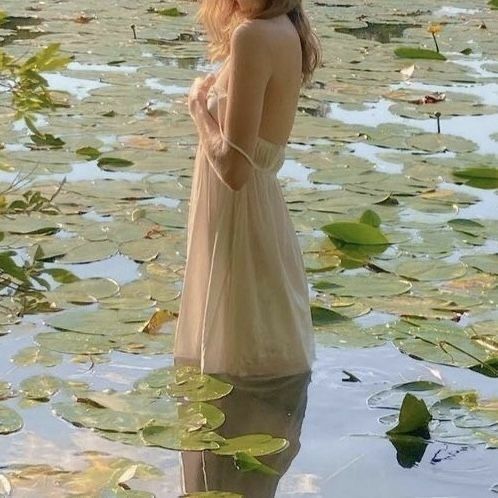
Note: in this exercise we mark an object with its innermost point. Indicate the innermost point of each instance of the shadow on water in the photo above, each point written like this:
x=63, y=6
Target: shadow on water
x=380, y=32
x=275, y=407
x=21, y=29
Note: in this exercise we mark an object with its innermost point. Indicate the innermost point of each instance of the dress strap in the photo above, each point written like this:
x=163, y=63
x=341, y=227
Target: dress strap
x=236, y=147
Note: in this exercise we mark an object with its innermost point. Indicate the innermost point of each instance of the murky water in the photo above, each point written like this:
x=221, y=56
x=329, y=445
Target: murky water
x=360, y=136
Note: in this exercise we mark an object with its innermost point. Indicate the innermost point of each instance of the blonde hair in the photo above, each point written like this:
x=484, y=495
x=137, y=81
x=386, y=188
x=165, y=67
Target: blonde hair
x=221, y=17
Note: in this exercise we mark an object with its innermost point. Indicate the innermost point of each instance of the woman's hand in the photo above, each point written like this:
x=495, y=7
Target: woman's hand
x=198, y=93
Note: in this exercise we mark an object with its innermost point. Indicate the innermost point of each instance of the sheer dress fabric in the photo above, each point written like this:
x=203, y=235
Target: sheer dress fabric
x=244, y=308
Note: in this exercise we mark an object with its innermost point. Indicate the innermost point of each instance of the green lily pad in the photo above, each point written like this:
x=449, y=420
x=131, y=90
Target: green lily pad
x=86, y=415
x=370, y=285
x=347, y=335
x=10, y=421
x=23, y=224
x=487, y=263
x=414, y=417
x=90, y=251
x=252, y=444
x=191, y=385
x=355, y=233
x=115, y=162
x=324, y=316
x=430, y=270
x=247, y=463
x=480, y=178
x=180, y=439
x=40, y=387
x=98, y=322
x=433, y=142
x=418, y=53
x=85, y=291
x=440, y=342
x=5, y=390
x=36, y=356
x=75, y=343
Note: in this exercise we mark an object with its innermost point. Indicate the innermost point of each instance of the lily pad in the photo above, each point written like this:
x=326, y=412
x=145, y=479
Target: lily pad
x=191, y=385
x=98, y=322
x=10, y=421
x=33, y=355
x=40, y=387
x=487, y=263
x=433, y=142
x=252, y=444
x=430, y=270
x=90, y=251
x=176, y=438
x=355, y=233
x=75, y=343
x=86, y=415
x=364, y=285
x=85, y=291
x=418, y=53
x=414, y=417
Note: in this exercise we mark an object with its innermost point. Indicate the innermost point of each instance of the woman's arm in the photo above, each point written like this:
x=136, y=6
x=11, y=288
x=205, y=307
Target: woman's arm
x=250, y=71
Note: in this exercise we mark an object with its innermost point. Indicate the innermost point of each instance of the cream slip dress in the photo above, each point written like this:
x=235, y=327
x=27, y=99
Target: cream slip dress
x=244, y=309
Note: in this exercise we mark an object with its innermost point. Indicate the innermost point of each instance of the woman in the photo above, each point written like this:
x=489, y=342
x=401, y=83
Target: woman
x=244, y=309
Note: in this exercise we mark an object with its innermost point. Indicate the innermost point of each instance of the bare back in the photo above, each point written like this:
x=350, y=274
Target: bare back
x=283, y=89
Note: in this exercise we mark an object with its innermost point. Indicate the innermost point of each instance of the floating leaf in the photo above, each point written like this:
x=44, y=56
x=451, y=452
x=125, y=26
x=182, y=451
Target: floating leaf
x=75, y=343
x=364, y=285
x=418, y=53
x=91, y=152
x=487, y=263
x=323, y=316
x=175, y=438
x=5, y=390
x=33, y=355
x=88, y=290
x=191, y=385
x=252, y=444
x=247, y=463
x=430, y=270
x=10, y=421
x=115, y=162
x=97, y=322
x=371, y=218
x=40, y=387
x=414, y=417
x=355, y=233
x=486, y=178
x=86, y=415
x=88, y=252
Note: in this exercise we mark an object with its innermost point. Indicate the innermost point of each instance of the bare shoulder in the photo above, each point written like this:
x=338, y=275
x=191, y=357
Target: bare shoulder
x=252, y=34
x=275, y=36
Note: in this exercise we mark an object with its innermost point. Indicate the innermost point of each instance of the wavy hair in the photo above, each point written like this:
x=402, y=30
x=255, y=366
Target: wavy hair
x=221, y=17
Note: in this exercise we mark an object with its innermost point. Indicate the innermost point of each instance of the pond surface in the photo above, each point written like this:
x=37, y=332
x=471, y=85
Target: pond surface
x=417, y=315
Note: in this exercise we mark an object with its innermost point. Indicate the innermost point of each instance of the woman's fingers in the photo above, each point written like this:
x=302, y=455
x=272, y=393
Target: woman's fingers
x=198, y=91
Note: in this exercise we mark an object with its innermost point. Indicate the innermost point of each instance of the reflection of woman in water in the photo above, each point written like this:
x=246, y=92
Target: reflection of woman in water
x=275, y=407
x=245, y=307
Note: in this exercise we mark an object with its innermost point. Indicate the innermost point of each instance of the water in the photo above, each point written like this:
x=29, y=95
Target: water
x=338, y=444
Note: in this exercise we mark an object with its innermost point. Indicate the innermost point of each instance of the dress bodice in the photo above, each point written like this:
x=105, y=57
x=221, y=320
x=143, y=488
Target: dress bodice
x=268, y=156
